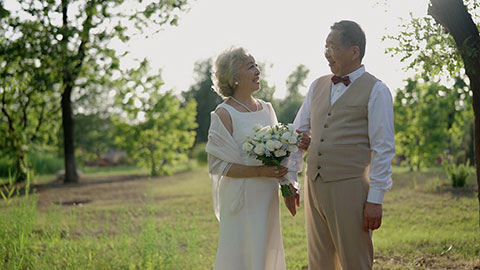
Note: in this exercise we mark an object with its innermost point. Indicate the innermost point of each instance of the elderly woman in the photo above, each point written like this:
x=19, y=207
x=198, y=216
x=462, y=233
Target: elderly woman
x=245, y=192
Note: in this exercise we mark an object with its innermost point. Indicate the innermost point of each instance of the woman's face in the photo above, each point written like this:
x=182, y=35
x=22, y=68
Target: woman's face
x=249, y=75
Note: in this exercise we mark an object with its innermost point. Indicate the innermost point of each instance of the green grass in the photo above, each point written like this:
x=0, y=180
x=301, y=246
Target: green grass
x=168, y=223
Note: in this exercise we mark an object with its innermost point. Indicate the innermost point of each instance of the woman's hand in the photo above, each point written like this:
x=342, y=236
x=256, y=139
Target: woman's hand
x=293, y=201
x=273, y=171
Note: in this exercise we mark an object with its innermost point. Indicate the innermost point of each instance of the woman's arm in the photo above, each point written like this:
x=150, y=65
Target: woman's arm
x=243, y=171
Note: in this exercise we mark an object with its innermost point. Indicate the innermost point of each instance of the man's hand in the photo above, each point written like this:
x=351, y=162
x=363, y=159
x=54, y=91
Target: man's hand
x=372, y=216
x=293, y=201
x=304, y=140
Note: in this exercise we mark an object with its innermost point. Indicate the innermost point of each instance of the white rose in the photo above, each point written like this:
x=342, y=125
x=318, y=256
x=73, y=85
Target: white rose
x=247, y=147
x=277, y=144
x=262, y=132
x=286, y=135
x=259, y=149
x=292, y=140
x=271, y=145
x=291, y=127
x=280, y=153
x=292, y=148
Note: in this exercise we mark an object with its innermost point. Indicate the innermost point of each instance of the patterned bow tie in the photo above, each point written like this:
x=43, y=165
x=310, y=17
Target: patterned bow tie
x=336, y=79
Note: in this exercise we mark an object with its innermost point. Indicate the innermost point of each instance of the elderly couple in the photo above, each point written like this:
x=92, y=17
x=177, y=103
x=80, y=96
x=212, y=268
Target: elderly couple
x=347, y=125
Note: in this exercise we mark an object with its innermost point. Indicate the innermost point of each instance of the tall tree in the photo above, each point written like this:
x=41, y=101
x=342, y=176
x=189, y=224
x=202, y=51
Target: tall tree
x=424, y=116
x=97, y=132
x=455, y=18
x=451, y=46
x=79, y=33
x=266, y=90
x=154, y=128
x=205, y=97
x=288, y=107
x=30, y=107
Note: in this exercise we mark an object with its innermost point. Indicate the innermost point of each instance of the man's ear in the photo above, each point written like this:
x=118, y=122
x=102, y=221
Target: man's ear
x=356, y=52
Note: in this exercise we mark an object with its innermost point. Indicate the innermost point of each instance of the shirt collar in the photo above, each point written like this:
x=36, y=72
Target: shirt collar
x=357, y=73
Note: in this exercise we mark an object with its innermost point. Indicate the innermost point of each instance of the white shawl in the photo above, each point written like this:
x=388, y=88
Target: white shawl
x=222, y=152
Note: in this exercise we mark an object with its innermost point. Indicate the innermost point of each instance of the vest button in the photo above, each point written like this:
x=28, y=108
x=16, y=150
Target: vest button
x=325, y=126
x=329, y=114
x=321, y=140
x=319, y=167
x=319, y=154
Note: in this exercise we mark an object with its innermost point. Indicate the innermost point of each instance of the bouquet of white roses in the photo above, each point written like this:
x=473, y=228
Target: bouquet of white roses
x=272, y=145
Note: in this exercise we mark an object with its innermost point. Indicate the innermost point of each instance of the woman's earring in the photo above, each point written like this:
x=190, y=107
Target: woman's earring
x=236, y=83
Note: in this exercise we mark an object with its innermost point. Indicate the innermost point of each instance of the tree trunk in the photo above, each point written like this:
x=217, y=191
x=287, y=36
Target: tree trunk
x=454, y=17
x=71, y=175
x=21, y=170
x=153, y=171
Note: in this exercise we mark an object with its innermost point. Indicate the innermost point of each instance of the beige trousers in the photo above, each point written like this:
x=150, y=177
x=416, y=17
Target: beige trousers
x=334, y=216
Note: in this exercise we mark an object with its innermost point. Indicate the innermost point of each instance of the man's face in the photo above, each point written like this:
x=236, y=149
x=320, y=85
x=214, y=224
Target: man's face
x=340, y=57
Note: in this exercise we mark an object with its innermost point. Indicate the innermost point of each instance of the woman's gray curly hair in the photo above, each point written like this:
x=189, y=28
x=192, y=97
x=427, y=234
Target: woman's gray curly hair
x=225, y=70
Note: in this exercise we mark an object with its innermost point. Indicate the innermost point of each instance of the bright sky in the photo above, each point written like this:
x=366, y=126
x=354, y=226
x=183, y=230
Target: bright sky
x=279, y=32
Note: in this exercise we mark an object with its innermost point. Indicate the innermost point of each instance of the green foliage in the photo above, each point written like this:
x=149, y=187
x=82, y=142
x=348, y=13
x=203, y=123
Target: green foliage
x=457, y=173
x=287, y=108
x=198, y=153
x=5, y=166
x=52, y=52
x=427, y=47
x=95, y=135
x=157, y=129
x=266, y=91
x=206, y=99
x=7, y=190
x=45, y=163
x=29, y=109
x=461, y=132
x=40, y=162
x=424, y=116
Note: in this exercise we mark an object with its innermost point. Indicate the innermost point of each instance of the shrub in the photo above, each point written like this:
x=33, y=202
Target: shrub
x=5, y=167
x=458, y=174
x=45, y=163
x=198, y=153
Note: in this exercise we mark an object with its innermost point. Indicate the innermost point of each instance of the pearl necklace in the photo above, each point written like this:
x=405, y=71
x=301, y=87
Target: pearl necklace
x=256, y=104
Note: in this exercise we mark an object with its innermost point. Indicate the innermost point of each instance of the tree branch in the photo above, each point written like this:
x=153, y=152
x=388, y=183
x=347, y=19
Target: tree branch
x=454, y=17
x=25, y=106
x=4, y=110
x=40, y=121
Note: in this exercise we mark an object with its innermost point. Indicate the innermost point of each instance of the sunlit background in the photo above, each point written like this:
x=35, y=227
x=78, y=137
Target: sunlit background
x=281, y=33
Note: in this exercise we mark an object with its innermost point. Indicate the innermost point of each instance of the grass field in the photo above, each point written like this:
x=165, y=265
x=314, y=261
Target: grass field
x=130, y=221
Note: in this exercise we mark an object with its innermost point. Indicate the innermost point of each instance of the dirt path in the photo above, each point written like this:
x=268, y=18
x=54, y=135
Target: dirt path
x=105, y=190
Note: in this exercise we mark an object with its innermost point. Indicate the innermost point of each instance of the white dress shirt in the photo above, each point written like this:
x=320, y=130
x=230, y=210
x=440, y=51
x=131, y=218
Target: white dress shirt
x=380, y=133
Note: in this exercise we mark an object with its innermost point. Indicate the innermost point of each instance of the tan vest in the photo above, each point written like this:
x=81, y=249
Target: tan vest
x=340, y=147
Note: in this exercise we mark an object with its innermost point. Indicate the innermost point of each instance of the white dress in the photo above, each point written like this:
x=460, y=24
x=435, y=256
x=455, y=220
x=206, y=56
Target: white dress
x=250, y=236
